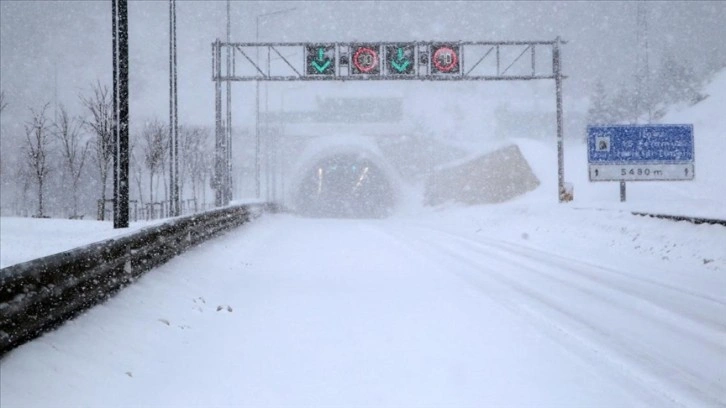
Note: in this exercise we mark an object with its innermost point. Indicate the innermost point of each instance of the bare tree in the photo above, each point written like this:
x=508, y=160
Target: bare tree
x=67, y=130
x=191, y=140
x=24, y=180
x=37, y=149
x=3, y=102
x=155, y=146
x=136, y=170
x=197, y=159
x=99, y=104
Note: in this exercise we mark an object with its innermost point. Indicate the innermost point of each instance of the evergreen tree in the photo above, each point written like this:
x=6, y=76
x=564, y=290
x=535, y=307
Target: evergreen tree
x=599, y=111
x=676, y=82
x=625, y=105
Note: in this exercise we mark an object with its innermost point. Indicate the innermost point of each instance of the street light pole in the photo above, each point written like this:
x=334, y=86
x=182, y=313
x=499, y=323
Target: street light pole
x=257, y=97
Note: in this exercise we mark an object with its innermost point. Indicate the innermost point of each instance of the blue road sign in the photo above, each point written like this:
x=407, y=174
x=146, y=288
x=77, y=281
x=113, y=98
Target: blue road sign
x=640, y=152
x=646, y=144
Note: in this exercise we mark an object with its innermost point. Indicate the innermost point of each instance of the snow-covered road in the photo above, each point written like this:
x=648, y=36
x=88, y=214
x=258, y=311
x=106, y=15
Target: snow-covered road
x=291, y=311
x=639, y=331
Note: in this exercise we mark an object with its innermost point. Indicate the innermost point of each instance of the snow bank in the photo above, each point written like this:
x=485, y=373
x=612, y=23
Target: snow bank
x=24, y=239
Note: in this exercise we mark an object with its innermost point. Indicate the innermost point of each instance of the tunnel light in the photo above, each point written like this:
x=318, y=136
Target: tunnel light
x=363, y=176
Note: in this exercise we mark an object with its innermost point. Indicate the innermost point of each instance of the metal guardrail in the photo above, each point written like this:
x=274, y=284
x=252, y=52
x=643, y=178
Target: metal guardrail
x=693, y=220
x=670, y=217
x=39, y=295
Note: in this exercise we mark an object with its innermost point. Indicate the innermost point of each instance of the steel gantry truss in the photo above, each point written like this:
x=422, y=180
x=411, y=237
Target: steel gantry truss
x=350, y=61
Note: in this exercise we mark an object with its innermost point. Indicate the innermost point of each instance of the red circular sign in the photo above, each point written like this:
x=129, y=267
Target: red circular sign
x=365, y=59
x=445, y=59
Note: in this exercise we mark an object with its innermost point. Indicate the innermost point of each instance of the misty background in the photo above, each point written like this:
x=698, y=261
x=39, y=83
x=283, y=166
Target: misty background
x=55, y=51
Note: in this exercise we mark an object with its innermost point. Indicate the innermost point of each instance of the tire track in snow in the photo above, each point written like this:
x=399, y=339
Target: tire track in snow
x=555, y=260
x=550, y=257
x=593, y=342
x=617, y=370
x=690, y=337
x=702, y=308
x=707, y=330
x=698, y=335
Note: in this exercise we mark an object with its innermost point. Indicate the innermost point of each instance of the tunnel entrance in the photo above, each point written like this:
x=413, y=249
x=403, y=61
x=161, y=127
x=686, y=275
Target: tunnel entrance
x=345, y=186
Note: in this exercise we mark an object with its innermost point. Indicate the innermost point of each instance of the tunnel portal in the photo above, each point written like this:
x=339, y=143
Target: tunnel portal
x=345, y=186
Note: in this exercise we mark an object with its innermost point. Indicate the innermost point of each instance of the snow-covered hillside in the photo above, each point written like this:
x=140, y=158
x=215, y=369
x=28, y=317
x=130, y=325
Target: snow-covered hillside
x=704, y=196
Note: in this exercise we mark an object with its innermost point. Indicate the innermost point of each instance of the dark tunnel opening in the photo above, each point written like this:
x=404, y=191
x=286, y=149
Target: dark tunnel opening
x=345, y=186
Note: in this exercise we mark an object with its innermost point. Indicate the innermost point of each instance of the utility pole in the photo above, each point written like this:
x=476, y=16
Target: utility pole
x=557, y=70
x=642, y=74
x=228, y=177
x=643, y=61
x=257, y=114
x=120, y=126
x=174, y=208
x=219, y=139
x=258, y=163
x=647, y=66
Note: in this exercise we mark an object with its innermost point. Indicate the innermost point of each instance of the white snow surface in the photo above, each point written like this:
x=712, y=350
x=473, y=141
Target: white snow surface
x=25, y=239
x=509, y=307
x=525, y=303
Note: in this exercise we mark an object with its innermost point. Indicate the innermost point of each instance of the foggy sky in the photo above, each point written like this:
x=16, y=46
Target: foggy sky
x=50, y=48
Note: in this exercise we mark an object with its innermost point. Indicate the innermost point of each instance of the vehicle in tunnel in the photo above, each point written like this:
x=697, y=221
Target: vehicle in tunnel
x=345, y=186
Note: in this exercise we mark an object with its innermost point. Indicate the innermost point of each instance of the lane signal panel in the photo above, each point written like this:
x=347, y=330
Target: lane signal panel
x=371, y=59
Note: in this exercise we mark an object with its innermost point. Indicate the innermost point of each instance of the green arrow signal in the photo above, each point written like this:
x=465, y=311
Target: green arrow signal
x=400, y=63
x=321, y=64
x=320, y=67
